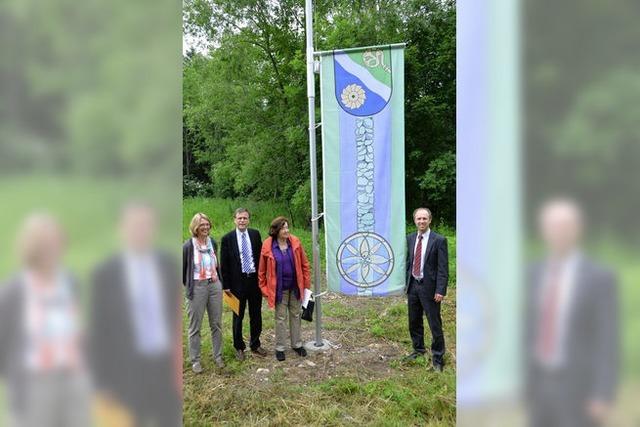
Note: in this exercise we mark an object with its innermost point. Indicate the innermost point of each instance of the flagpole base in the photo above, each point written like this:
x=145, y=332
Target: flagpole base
x=313, y=346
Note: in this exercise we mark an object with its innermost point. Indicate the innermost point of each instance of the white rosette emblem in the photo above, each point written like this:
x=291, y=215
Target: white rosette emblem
x=353, y=96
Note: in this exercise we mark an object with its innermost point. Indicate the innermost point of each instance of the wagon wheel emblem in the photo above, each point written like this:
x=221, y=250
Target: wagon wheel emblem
x=365, y=259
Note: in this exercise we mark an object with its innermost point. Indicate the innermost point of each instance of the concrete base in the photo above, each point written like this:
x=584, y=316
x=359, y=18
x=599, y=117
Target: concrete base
x=311, y=346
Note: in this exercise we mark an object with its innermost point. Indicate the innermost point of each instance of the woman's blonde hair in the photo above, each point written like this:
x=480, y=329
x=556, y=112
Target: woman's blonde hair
x=38, y=231
x=196, y=221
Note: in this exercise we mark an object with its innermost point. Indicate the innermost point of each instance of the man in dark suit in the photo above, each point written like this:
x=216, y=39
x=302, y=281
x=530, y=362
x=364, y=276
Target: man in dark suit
x=426, y=285
x=571, y=328
x=239, y=258
x=134, y=335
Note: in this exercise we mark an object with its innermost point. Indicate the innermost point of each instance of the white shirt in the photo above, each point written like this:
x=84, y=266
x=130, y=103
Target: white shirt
x=147, y=306
x=425, y=240
x=565, y=292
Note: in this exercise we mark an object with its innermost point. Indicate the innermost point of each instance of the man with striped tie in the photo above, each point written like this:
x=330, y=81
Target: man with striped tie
x=571, y=328
x=239, y=258
x=426, y=285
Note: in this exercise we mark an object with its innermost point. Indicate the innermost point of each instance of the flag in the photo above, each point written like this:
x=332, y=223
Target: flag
x=362, y=98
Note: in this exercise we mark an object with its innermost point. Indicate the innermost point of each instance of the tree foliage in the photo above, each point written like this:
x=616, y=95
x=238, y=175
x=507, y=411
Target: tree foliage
x=89, y=87
x=244, y=93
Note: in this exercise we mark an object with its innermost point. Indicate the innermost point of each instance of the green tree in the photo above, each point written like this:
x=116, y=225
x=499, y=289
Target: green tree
x=245, y=98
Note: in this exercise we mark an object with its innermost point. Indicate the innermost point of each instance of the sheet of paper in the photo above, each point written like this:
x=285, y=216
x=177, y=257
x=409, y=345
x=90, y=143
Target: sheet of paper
x=306, y=297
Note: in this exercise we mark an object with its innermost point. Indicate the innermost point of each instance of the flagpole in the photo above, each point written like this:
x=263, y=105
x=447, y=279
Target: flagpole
x=319, y=343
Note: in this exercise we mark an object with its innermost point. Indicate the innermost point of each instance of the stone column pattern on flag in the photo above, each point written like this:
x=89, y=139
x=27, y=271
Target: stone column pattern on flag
x=364, y=144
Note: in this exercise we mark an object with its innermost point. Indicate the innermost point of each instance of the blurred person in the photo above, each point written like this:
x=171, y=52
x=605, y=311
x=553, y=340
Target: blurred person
x=42, y=356
x=571, y=345
x=201, y=279
x=239, y=262
x=135, y=325
x=426, y=286
x=283, y=275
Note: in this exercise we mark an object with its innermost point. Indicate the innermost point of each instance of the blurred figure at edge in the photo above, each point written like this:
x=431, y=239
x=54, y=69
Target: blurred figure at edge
x=571, y=336
x=135, y=326
x=42, y=356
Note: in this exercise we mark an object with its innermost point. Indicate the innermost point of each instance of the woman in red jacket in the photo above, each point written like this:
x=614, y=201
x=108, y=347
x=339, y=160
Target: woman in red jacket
x=283, y=275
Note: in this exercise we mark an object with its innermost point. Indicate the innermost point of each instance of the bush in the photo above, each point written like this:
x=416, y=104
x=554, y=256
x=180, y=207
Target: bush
x=192, y=187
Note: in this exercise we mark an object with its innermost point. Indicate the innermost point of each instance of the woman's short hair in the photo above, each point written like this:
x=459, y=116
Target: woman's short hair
x=39, y=233
x=276, y=226
x=196, y=221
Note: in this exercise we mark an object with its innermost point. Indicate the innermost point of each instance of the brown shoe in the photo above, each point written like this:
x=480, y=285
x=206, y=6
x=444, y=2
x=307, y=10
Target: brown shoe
x=240, y=355
x=259, y=351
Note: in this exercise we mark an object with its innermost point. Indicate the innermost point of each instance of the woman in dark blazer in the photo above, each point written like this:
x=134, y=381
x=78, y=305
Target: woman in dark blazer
x=42, y=352
x=201, y=278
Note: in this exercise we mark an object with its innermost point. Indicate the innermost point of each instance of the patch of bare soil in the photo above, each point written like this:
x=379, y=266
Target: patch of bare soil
x=353, y=350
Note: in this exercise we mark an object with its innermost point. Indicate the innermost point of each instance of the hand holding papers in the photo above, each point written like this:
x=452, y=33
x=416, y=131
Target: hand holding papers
x=306, y=297
x=307, y=305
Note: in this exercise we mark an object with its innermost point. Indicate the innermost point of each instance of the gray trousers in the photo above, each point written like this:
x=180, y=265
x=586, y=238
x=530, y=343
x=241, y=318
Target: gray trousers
x=57, y=399
x=206, y=295
x=291, y=305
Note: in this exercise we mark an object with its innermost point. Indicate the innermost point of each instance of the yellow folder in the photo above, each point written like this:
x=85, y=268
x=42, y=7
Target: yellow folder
x=232, y=301
x=110, y=413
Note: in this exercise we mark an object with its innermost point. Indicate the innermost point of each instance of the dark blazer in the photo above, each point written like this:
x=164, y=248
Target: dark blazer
x=12, y=343
x=11, y=326
x=592, y=343
x=187, y=265
x=436, y=263
x=117, y=367
x=231, y=263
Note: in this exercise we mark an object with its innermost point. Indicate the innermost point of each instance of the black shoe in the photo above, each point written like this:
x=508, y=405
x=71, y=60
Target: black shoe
x=438, y=367
x=301, y=351
x=414, y=355
x=240, y=355
x=280, y=355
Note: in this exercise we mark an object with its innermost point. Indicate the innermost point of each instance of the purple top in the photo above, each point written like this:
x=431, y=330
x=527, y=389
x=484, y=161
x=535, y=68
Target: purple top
x=285, y=271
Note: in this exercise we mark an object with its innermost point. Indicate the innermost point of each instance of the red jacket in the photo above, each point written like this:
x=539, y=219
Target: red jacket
x=267, y=277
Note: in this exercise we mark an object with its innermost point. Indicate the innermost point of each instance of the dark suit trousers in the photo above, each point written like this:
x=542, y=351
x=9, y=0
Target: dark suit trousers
x=155, y=400
x=557, y=398
x=252, y=297
x=421, y=302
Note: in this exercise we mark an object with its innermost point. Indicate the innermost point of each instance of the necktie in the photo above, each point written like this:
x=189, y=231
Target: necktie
x=547, y=329
x=246, y=255
x=417, y=258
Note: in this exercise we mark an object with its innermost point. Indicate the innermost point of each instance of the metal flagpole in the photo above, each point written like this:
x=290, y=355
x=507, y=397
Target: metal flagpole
x=319, y=343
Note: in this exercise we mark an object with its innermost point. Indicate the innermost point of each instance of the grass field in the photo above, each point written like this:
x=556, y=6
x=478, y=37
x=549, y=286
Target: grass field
x=361, y=380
